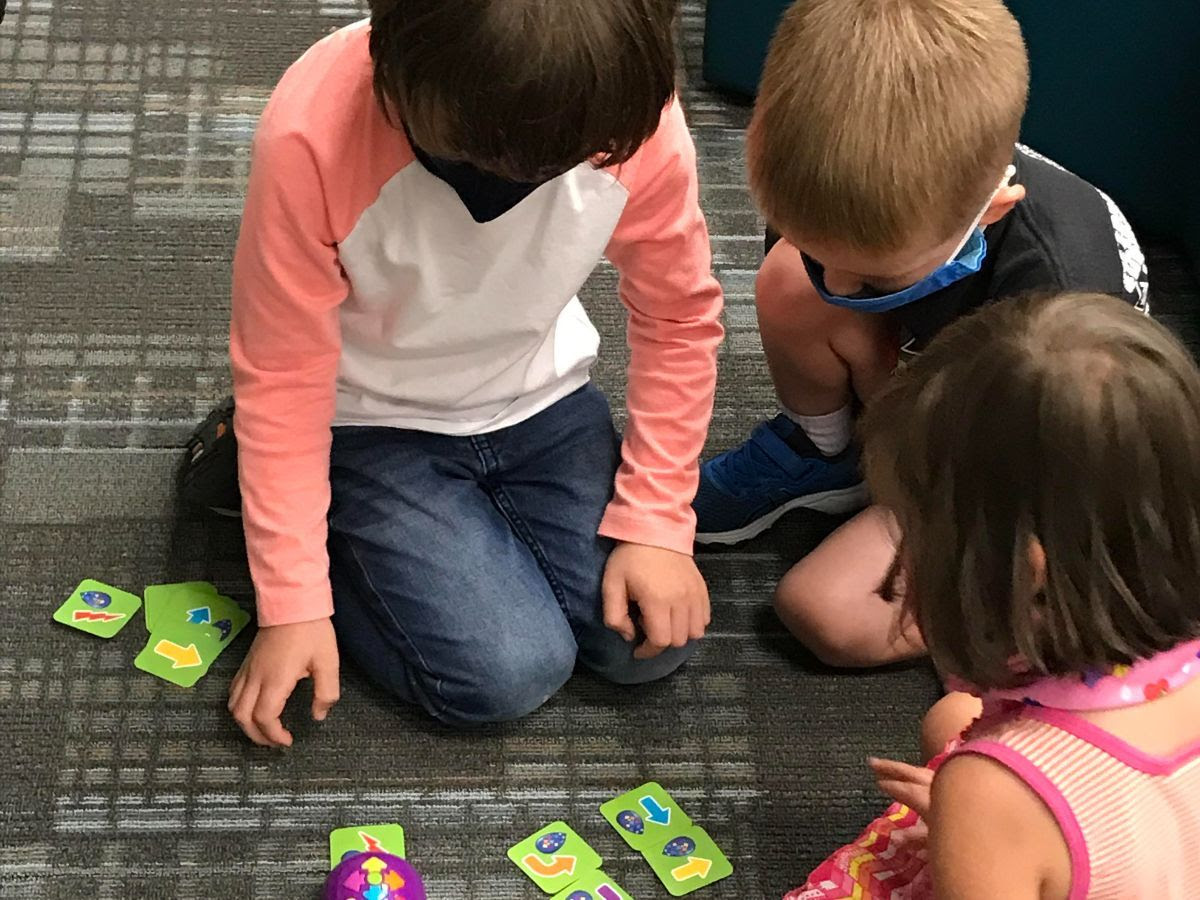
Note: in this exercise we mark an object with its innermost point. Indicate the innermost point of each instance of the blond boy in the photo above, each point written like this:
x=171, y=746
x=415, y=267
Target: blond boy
x=883, y=154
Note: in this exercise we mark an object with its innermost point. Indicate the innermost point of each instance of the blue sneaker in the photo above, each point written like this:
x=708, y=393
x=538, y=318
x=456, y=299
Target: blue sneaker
x=746, y=490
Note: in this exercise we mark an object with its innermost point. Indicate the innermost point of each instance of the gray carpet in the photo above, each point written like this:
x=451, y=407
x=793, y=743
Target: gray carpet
x=124, y=127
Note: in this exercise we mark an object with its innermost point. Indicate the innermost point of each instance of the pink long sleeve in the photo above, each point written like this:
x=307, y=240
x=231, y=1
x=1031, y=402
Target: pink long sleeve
x=662, y=252
x=285, y=346
x=366, y=294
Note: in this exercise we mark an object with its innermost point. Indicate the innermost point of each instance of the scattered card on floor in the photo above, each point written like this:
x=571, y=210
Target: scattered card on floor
x=186, y=642
x=365, y=839
x=98, y=609
x=161, y=598
x=555, y=857
x=215, y=615
x=593, y=886
x=688, y=861
x=646, y=816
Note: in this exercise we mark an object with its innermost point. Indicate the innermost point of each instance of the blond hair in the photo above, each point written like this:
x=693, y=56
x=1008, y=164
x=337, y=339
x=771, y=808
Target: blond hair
x=878, y=119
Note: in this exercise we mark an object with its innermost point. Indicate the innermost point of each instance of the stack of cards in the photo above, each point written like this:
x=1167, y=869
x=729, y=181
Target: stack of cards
x=347, y=842
x=561, y=863
x=189, y=624
x=683, y=856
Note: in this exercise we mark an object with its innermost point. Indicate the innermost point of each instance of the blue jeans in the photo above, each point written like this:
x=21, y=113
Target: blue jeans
x=466, y=570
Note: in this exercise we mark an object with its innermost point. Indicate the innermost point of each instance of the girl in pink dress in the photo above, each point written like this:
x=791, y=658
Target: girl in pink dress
x=1043, y=460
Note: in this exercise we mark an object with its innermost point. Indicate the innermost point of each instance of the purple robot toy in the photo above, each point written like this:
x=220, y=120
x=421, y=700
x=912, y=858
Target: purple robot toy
x=374, y=876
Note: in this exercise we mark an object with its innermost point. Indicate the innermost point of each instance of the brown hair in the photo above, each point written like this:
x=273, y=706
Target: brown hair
x=1072, y=423
x=525, y=89
x=881, y=119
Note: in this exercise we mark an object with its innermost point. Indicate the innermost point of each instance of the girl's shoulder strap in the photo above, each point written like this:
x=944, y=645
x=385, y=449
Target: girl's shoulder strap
x=1103, y=793
x=1028, y=748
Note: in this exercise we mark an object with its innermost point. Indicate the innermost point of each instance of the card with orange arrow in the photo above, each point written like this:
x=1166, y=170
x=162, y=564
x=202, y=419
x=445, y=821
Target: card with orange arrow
x=555, y=857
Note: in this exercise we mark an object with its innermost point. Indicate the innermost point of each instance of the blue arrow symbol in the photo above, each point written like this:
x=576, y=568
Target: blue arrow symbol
x=199, y=616
x=657, y=814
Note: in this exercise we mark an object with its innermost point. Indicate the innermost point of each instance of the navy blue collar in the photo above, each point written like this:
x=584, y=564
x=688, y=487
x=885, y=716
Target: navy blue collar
x=486, y=196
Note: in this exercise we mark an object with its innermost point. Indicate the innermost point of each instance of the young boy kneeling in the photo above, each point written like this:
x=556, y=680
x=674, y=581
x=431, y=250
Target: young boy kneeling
x=426, y=469
x=882, y=154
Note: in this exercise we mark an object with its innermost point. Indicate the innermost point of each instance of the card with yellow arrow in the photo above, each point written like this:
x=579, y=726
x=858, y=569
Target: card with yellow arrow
x=187, y=641
x=688, y=861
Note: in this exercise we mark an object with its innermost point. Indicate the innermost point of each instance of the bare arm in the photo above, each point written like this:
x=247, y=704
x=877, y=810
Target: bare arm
x=992, y=838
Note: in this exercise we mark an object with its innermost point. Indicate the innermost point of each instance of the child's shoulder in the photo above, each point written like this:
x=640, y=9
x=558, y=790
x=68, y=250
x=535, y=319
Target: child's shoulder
x=324, y=91
x=1068, y=235
x=980, y=803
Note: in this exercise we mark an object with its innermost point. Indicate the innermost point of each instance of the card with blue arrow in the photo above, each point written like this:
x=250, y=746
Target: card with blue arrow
x=164, y=602
x=645, y=816
x=190, y=625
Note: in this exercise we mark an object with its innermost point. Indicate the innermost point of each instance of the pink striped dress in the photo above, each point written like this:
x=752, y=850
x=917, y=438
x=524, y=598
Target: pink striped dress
x=1131, y=820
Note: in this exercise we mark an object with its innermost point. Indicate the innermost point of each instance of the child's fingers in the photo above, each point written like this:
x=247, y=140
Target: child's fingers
x=616, y=607
x=914, y=796
x=898, y=771
x=656, y=624
x=681, y=626
x=909, y=785
x=236, y=687
x=243, y=713
x=699, y=618
x=326, y=689
x=268, y=710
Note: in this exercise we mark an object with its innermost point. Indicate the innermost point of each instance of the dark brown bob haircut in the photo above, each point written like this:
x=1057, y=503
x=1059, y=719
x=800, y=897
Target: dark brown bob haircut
x=525, y=89
x=1070, y=422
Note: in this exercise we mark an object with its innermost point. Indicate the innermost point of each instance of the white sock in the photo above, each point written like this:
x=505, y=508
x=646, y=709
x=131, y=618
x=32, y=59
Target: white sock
x=830, y=433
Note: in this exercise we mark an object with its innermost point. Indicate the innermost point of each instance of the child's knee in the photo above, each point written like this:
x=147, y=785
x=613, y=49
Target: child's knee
x=813, y=614
x=510, y=684
x=612, y=658
x=784, y=294
x=947, y=720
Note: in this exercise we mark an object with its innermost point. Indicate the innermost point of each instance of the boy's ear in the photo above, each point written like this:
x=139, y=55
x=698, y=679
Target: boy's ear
x=1002, y=204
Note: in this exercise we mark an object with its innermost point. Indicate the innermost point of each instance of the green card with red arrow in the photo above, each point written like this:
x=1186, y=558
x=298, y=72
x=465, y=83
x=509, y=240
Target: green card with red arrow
x=188, y=636
x=98, y=609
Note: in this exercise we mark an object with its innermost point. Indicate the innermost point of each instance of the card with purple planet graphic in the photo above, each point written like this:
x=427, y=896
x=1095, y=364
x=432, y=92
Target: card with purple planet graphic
x=645, y=816
x=594, y=886
x=688, y=861
x=98, y=609
x=555, y=857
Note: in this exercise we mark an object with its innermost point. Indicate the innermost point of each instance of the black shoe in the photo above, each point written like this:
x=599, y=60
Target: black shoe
x=210, y=476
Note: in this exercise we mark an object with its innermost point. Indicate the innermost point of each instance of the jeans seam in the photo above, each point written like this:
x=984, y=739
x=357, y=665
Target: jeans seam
x=526, y=536
x=437, y=681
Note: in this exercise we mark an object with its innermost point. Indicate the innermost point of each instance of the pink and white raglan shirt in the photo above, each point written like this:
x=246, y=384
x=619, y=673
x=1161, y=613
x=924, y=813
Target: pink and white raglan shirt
x=366, y=294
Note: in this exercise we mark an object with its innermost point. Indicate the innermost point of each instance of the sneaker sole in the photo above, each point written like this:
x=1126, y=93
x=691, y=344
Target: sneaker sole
x=837, y=502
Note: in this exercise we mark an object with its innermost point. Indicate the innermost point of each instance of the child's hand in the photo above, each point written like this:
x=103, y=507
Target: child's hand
x=909, y=785
x=279, y=659
x=668, y=590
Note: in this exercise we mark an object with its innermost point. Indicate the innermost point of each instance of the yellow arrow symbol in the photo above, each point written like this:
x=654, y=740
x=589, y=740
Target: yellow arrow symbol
x=695, y=867
x=374, y=864
x=181, y=657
